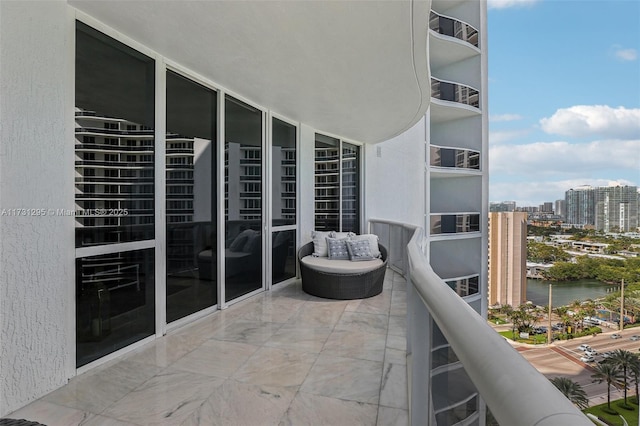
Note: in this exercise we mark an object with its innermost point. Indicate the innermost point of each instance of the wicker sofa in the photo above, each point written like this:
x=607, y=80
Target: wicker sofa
x=343, y=285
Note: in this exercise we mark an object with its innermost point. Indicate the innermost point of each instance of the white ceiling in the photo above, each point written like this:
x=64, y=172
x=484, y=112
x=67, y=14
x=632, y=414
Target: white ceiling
x=357, y=69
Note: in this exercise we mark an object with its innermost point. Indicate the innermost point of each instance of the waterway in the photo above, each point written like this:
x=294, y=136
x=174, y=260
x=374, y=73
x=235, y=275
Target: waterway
x=565, y=292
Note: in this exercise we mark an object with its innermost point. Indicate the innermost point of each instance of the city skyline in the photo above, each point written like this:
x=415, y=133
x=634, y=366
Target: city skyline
x=565, y=102
x=561, y=196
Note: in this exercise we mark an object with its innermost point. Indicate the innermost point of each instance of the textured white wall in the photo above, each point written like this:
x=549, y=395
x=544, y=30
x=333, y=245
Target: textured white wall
x=394, y=177
x=307, y=182
x=36, y=171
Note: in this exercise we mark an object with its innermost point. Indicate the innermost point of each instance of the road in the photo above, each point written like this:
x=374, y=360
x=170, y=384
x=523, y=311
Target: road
x=563, y=359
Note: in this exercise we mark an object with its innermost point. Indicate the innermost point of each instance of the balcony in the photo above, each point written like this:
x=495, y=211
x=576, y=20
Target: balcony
x=453, y=28
x=279, y=357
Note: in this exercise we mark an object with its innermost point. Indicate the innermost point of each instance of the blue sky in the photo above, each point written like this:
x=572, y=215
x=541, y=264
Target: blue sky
x=564, y=97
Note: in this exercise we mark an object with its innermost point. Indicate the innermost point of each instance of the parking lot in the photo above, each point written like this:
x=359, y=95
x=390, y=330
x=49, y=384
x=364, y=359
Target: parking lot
x=563, y=359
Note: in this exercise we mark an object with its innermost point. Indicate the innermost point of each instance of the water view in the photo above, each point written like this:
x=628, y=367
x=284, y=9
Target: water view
x=565, y=292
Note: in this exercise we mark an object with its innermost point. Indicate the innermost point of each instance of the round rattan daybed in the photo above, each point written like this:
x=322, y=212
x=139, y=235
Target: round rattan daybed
x=338, y=285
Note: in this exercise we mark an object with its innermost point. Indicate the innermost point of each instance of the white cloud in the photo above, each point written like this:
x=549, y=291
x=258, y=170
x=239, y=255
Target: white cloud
x=542, y=160
x=591, y=120
x=505, y=117
x=501, y=136
x=503, y=4
x=623, y=54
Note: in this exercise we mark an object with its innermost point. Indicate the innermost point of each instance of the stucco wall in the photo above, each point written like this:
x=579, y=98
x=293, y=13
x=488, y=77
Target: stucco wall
x=394, y=177
x=36, y=171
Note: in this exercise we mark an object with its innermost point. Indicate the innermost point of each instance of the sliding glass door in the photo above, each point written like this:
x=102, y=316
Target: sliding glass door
x=191, y=194
x=114, y=194
x=283, y=200
x=243, y=247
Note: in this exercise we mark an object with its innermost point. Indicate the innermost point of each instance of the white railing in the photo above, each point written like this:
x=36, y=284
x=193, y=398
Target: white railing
x=515, y=392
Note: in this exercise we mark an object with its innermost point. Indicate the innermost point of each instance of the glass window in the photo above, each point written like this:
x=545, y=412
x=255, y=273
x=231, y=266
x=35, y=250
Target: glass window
x=115, y=302
x=283, y=160
x=336, y=210
x=114, y=91
x=191, y=197
x=284, y=255
x=243, y=213
x=350, y=188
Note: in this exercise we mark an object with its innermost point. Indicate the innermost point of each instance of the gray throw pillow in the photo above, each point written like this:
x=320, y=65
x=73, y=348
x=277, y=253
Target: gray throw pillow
x=373, y=243
x=359, y=250
x=337, y=249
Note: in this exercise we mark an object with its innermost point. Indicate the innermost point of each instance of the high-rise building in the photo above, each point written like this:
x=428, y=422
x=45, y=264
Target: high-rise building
x=561, y=208
x=616, y=208
x=580, y=203
x=505, y=206
x=507, y=258
x=546, y=207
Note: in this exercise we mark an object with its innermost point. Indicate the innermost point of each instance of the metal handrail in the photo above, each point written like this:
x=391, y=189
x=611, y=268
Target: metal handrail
x=516, y=393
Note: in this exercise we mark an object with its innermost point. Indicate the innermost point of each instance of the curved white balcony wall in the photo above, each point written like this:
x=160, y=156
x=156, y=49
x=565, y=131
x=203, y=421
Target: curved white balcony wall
x=394, y=179
x=464, y=72
x=462, y=133
x=445, y=50
x=451, y=258
x=456, y=194
x=354, y=69
x=442, y=111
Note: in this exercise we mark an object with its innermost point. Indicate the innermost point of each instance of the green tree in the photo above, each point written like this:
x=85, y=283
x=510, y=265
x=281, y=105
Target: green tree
x=607, y=372
x=623, y=360
x=572, y=390
x=635, y=372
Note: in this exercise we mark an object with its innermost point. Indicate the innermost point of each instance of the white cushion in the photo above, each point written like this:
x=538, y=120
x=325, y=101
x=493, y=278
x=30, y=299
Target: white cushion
x=324, y=264
x=342, y=235
x=320, y=243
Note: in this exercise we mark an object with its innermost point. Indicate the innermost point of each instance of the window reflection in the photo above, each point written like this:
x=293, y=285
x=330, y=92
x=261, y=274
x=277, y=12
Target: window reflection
x=453, y=28
x=335, y=167
x=465, y=286
x=243, y=198
x=114, y=141
x=114, y=193
x=284, y=255
x=283, y=159
x=453, y=92
x=455, y=223
x=456, y=158
x=350, y=188
x=191, y=197
x=115, y=302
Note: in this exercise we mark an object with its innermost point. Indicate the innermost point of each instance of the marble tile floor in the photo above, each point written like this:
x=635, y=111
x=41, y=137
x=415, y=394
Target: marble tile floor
x=279, y=358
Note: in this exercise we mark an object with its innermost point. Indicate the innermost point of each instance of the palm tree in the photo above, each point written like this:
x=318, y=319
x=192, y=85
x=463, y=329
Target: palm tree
x=623, y=360
x=572, y=390
x=635, y=372
x=607, y=372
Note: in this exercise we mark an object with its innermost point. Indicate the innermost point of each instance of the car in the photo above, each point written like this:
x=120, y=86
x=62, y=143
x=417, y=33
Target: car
x=634, y=337
x=591, y=352
x=584, y=347
x=587, y=358
x=615, y=336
